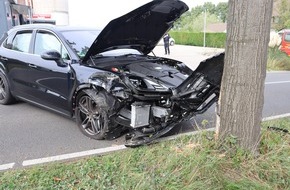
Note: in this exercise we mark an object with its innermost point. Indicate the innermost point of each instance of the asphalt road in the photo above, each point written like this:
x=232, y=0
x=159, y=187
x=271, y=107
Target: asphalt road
x=28, y=132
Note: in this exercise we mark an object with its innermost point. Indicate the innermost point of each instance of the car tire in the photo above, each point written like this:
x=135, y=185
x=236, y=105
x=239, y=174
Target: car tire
x=172, y=43
x=5, y=94
x=92, y=114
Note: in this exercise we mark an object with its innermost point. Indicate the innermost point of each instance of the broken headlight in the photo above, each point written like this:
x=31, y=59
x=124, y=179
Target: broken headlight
x=111, y=83
x=103, y=79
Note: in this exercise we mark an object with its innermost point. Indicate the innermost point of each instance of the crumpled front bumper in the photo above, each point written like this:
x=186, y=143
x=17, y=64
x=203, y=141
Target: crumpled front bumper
x=193, y=96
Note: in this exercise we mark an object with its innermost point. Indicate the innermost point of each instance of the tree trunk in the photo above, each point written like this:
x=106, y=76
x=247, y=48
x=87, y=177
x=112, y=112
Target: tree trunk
x=242, y=89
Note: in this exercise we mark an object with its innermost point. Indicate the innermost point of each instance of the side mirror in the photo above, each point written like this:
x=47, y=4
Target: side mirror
x=54, y=56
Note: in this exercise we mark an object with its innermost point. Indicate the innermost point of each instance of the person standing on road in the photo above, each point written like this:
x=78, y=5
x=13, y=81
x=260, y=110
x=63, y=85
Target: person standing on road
x=166, y=43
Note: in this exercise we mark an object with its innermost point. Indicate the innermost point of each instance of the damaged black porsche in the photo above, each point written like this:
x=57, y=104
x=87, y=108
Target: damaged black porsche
x=114, y=85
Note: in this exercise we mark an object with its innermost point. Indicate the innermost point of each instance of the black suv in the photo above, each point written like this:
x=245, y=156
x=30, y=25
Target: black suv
x=105, y=79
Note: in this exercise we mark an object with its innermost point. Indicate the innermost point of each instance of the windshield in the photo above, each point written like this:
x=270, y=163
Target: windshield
x=119, y=52
x=80, y=40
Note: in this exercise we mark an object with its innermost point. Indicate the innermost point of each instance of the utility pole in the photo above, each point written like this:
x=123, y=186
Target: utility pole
x=204, y=27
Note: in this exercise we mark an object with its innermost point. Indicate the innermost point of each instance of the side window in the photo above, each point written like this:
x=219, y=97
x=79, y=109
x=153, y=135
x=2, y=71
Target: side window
x=21, y=42
x=46, y=41
x=287, y=37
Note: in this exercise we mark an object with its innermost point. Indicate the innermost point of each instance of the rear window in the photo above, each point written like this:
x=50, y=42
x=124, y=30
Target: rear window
x=19, y=42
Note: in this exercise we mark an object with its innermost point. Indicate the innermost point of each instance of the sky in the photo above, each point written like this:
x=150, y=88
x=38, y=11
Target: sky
x=193, y=3
x=99, y=13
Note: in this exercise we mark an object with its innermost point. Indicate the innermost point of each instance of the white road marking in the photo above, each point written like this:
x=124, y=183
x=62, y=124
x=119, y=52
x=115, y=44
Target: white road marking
x=6, y=166
x=278, y=82
x=73, y=155
x=276, y=117
x=269, y=72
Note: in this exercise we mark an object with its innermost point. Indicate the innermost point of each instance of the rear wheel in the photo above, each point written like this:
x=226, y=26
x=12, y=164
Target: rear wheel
x=5, y=94
x=92, y=114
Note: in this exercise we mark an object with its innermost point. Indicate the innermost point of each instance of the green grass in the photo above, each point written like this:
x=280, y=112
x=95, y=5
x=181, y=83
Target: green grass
x=191, y=162
x=277, y=60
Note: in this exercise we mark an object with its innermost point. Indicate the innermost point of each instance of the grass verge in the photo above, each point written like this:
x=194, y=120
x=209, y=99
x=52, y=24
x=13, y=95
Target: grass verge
x=191, y=162
x=277, y=60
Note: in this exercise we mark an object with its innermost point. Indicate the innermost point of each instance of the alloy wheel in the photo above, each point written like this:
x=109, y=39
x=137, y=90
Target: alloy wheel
x=92, y=120
x=2, y=89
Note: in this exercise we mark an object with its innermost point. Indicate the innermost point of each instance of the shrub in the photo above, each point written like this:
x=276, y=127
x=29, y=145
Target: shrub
x=277, y=60
x=216, y=40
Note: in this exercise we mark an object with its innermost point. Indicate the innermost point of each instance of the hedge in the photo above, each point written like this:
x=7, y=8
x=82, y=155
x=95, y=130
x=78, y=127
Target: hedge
x=216, y=40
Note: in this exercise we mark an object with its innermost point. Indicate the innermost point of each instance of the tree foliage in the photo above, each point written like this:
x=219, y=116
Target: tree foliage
x=196, y=23
x=222, y=11
x=193, y=20
x=284, y=14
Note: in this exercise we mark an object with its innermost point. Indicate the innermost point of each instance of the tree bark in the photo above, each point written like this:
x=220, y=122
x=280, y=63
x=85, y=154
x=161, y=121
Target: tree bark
x=242, y=89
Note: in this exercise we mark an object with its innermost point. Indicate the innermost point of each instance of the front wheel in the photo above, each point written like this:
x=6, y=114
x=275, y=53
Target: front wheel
x=92, y=114
x=5, y=94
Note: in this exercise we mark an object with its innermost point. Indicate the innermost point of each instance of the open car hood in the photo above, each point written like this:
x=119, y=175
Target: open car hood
x=140, y=29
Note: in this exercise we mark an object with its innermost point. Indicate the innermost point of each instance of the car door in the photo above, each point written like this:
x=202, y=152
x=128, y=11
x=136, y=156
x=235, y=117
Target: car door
x=15, y=57
x=50, y=84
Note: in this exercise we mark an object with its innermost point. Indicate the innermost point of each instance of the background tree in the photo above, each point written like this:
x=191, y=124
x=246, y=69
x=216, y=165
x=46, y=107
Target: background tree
x=196, y=23
x=210, y=8
x=242, y=89
x=284, y=14
x=222, y=11
x=193, y=20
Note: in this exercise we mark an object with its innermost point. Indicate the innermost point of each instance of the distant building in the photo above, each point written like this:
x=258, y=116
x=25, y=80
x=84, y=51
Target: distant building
x=24, y=2
x=216, y=28
x=49, y=10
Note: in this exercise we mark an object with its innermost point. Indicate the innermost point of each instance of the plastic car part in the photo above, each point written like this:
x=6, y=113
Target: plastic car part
x=137, y=138
x=201, y=89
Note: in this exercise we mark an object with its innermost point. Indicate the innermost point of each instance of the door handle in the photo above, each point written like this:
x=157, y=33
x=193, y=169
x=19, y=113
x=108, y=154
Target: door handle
x=32, y=66
x=4, y=58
